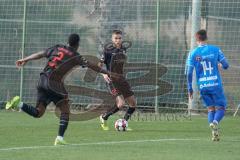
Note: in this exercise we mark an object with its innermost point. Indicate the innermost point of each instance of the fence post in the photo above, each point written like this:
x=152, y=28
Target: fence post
x=23, y=46
x=156, y=59
x=196, y=24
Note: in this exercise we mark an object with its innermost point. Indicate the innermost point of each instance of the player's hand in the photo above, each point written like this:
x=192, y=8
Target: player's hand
x=107, y=78
x=190, y=95
x=219, y=65
x=100, y=64
x=20, y=62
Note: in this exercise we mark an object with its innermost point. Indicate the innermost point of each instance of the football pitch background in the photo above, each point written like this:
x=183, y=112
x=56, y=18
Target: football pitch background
x=23, y=137
x=160, y=31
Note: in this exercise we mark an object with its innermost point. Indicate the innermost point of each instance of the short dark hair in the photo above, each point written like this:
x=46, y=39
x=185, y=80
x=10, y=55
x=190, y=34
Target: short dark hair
x=73, y=39
x=117, y=32
x=201, y=35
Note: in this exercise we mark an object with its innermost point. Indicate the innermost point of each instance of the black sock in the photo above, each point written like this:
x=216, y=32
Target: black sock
x=64, y=118
x=129, y=113
x=30, y=110
x=110, y=112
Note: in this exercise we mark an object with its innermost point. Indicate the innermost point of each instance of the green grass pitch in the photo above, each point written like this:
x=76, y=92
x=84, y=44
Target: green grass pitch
x=23, y=137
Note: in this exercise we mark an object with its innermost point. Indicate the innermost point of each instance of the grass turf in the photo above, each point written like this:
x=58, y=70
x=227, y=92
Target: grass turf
x=163, y=140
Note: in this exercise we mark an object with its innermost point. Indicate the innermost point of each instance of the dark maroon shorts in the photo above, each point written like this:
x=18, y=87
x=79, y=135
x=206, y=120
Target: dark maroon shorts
x=120, y=88
x=46, y=95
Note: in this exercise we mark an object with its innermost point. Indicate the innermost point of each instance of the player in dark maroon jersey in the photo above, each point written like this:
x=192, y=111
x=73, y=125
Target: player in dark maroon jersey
x=50, y=88
x=114, y=57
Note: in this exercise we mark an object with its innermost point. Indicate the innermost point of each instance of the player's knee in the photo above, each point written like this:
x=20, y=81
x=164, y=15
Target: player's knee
x=39, y=114
x=120, y=104
x=131, y=101
x=220, y=108
x=133, y=104
x=40, y=111
x=211, y=109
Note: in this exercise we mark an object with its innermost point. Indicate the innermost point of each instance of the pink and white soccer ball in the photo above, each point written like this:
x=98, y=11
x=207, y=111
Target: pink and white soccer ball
x=121, y=125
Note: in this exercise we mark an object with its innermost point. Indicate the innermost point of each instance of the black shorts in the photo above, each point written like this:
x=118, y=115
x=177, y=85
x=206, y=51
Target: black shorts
x=46, y=94
x=120, y=88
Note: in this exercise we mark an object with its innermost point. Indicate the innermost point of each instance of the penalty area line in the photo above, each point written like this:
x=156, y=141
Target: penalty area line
x=97, y=143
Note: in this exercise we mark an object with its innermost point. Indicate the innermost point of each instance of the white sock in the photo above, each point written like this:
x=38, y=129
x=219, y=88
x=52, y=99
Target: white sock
x=20, y=105
x=216, y=122
x=60, y=138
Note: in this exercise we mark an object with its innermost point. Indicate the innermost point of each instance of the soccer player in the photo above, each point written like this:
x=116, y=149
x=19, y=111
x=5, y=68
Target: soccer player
x=206, y=59
x=61, y=59
x=114, y=58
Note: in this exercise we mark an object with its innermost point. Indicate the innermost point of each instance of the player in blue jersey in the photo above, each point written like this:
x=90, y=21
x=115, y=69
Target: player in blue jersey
x=206, y=59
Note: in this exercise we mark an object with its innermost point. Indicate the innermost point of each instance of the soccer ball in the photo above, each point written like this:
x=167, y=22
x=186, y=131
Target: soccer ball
x=121, y=125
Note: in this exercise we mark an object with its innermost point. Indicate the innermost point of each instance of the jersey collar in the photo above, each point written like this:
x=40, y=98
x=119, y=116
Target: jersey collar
x=202, y=45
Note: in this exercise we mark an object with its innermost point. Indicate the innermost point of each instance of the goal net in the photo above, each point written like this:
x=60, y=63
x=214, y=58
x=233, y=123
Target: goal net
x=158, y=29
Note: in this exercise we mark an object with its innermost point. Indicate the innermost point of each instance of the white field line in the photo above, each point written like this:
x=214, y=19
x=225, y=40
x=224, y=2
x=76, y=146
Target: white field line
x=97, y=143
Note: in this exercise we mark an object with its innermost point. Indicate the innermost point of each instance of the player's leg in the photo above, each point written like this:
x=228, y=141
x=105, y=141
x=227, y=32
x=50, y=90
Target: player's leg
x=211, y=114
x=132, y=106
x=64, y=108
x=220, y=111
x=119, y=104
x=42, y=102
x=208, y=101
x=38, y=111
x=104, y=117
x=128, y=95
x=59, y=97
x=221, y=104
x=219, y=114
x=212, y=124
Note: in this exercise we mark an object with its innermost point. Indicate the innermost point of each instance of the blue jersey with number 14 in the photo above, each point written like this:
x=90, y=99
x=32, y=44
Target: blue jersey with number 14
x=205, y=59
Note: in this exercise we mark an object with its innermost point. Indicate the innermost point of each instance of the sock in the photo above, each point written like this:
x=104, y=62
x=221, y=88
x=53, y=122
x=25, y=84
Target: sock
x=219, y=115
x=64, y=118
x=29, y=109
x=110, y=112
x=60, y=138
x=20, y=105
x=129, y=113
x=211, y=116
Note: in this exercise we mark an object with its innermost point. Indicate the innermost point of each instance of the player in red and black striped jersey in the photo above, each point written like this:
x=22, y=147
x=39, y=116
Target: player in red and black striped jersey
x=50, y=88
x=114, y=57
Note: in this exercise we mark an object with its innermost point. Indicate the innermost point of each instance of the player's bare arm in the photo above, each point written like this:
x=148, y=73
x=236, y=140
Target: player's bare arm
x=35, y=56
x=105, y=76
x=97, y=68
